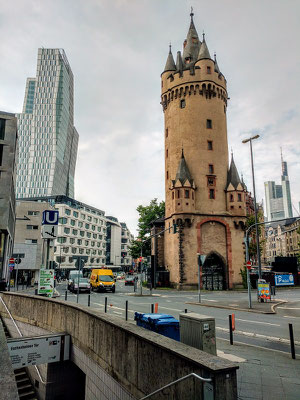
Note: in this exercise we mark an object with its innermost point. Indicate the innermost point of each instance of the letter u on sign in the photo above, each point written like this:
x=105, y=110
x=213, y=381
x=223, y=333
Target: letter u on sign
x=50, y=217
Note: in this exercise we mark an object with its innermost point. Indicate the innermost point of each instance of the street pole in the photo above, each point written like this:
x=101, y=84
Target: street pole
x=79, y=265
x=141, y=265
x=248, y=272
x=199, y=278
x=255, y=208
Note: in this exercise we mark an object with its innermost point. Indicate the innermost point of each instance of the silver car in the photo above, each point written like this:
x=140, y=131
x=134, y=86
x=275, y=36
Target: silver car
x=84, y=285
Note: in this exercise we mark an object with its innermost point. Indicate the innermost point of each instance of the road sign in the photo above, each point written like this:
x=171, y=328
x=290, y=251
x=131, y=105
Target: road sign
x=249, y=264
x=11, y=268
x=50, y=217
x=11, y=260
x=284, y=280
x=49, y=231
x=46, y=282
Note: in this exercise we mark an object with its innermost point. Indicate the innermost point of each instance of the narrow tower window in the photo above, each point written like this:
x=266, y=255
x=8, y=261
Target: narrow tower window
x=239, y=197
x=167, y=153
x=211, y=193
x=182, y=103
x=187, y=194
x=208, y=70
x=231, y=197
x=209, y=145
x=167, y=132
x=209, y=124
x=167, y=174
x=211, y=168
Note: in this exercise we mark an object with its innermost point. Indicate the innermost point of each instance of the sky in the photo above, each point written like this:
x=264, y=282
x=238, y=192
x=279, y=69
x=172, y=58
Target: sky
x=117, y=50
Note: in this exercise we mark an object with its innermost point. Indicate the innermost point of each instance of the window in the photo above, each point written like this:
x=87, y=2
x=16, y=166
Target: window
x=33, y=212
x=210, y=181
x=89, y=218
x=167, y=132
x=208, y=69
x=178, y=194
x=61, y=240
x=74, y=250
x=88, y=234
x=239, y=197
x=63, y=220
x=81, y=251
x=211, y=168
x=87, y=226
x=87, y=251
x=100, y=237
x=73, y=222
x=231, y=197
x=82, y=216
x=75, y=214
x=80, y=224
x=167, y=174
x=87, y=242
x=172, y=195
x=93, y=227
x=72, y=240
x=79, y=241
x=209, y=145
x=99, y=228
x=74, y=231
x=67, y=230
x=182, y=103
x=167, y=153
x=81, y=233
x=2, y=128
x=30, y=241
x=187, y=194
x=35, y=227
x=211, y=193
x=67, y=211
x=92, y=243
x=209, y=124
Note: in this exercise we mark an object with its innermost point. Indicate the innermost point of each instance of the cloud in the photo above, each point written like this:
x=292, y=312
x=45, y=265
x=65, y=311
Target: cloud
x=117, y=50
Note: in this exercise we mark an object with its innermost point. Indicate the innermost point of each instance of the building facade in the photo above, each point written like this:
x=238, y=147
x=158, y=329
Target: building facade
x=119, y=239
x=278, y=197
x=282, y=239
x=205, y=197
x=8, y=148
x=28, y=244
x=48, y=140
x=126, y=239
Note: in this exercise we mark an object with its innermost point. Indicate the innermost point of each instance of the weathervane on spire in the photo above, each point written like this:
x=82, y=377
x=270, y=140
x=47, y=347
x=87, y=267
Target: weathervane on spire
x=203, y=35
x=192, y=14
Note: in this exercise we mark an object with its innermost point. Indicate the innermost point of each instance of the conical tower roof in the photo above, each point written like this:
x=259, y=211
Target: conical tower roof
x=233, y=175
x=191, y=49
x=217, y=69
x=170, y=64
x=203, y=52
x=183, y=173
x=243, y=183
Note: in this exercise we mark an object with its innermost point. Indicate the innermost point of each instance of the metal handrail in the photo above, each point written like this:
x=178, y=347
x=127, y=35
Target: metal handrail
x=21, y=335
x=177, y=380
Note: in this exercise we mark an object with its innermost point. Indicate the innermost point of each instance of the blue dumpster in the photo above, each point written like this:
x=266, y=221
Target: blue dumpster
x=164, y=324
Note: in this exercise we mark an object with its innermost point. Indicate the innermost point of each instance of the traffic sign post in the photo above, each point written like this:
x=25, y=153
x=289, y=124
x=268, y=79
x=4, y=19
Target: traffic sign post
x=248, y=265
x=49, y=229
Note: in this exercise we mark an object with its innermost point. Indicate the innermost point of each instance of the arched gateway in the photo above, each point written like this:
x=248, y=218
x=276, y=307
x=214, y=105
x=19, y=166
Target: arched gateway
x=214, y=272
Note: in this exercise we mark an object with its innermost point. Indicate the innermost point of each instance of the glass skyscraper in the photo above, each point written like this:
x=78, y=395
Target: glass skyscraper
x=47, y=138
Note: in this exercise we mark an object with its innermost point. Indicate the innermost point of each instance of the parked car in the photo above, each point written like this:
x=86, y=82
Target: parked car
x=74, y=275
x=103, y=280
x=130, y=279
x=84, y=285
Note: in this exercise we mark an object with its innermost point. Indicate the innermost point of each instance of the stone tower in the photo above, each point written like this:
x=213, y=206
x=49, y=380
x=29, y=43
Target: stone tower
x=204, y=197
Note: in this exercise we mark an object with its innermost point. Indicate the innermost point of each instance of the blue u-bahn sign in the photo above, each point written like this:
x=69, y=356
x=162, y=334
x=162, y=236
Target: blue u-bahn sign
x=50, y=217
x=284, y=280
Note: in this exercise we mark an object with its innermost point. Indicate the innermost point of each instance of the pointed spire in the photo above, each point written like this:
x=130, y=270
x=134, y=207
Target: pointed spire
x=233, y=175
x=217, y=69
x=243, y=183
x=179, y=64
x=170, y=64
x=203, y=52
x=192, y=43
x=183, y=173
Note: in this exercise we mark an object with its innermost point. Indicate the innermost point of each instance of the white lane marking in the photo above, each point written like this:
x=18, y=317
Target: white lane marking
x=117, y=312
x=288, y=316
x=168, y=308
x=258, y=335
x=211, y=300
x=257, y=322
x=290, y=308
x=230, y=357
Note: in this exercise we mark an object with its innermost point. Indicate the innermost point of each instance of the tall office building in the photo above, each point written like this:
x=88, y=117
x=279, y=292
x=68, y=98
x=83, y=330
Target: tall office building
x=278, y=197
x=47, y=138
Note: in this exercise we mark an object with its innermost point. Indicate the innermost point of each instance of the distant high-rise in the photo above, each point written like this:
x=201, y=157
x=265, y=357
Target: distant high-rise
x=47, y=138
x=278, y=197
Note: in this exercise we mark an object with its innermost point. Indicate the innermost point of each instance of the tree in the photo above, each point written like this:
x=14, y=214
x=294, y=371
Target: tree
x=147, y=214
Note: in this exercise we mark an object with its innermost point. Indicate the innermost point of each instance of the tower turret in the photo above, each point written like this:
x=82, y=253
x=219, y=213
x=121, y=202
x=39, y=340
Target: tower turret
x=170, y=64
x=235, y=191
x=191, y=45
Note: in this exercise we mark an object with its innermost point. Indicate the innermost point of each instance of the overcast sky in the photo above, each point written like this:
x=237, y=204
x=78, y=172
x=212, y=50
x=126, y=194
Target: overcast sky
x=117, y=50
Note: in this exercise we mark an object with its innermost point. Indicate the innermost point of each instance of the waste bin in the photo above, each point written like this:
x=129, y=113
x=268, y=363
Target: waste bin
x=163, y=324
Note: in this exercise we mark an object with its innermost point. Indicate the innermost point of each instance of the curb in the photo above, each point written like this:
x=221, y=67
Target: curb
x=240, y=309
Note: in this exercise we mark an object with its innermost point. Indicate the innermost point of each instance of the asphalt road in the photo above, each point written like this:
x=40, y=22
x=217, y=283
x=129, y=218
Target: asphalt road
x=263, y=330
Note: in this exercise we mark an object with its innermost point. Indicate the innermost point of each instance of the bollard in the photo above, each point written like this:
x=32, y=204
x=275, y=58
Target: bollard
x=292, y=341
x=152, y=308
x=66, y=295
x=230, y=329
x=89, y=300
x=185, y=310
x=126, y=310
x=105, y=306
x=156, y=308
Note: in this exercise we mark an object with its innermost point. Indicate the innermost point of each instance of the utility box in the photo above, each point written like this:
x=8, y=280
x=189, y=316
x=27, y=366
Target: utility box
x=198, y=331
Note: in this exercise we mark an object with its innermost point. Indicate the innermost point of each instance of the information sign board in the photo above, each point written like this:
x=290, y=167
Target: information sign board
x=38, y=350
x=46, y=282
x=264, y=291
x=284, y=280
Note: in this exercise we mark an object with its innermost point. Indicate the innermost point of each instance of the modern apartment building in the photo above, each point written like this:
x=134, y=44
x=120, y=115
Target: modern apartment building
x=48, y=140
x=117, y=244
x=278, y=197
x=8, y=143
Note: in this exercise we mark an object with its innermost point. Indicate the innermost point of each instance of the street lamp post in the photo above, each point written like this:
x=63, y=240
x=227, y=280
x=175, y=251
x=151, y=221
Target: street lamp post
x=255, y=207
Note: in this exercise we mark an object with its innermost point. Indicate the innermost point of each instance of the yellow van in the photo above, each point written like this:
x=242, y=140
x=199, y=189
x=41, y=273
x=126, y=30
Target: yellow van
x=102, y=280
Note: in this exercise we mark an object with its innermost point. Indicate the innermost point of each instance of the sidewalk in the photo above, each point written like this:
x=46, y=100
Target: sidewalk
x=243, y=305
x=263, y=374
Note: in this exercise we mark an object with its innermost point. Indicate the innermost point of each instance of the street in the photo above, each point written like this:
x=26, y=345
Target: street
x=269, y=331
